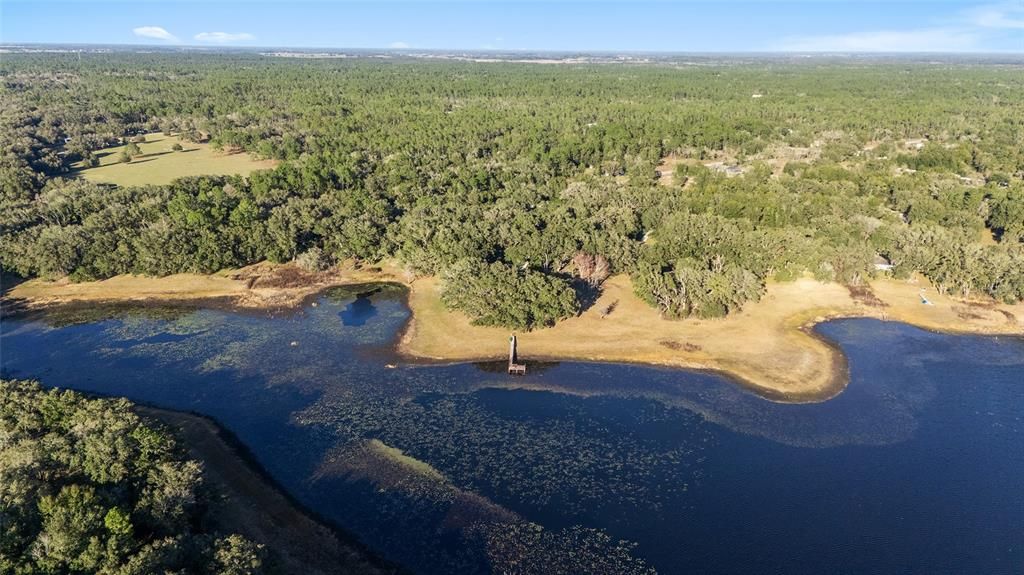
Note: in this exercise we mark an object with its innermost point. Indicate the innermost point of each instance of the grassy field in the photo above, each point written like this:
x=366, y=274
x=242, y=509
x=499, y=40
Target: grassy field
x=158, y=164
x=259, y=286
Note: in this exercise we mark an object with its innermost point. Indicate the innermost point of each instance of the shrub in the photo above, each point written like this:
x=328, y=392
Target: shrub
x=313, y=260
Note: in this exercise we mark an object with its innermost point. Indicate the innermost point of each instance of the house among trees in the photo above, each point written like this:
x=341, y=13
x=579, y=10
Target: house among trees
x=727, y=169
x=882, y=263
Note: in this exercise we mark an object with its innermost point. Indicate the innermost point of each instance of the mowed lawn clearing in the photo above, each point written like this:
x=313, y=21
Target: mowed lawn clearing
x=159, y=164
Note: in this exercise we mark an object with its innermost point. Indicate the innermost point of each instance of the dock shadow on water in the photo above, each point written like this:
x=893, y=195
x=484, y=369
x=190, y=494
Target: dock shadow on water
x=583, y=467
x=501, y=366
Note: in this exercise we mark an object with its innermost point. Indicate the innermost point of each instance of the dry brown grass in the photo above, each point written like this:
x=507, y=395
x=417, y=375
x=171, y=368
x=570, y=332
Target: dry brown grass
x=986, y=237
x=667, y=168
x=262, y=285
x=127, y=288
x=768, y=345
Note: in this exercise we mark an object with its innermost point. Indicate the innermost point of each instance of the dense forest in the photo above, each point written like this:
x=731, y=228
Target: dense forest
x=539, y=180
x=87, y=487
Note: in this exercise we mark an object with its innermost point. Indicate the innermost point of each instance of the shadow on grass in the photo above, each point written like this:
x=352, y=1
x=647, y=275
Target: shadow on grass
x=586, y=293
x=10, y=306
x=104, y=154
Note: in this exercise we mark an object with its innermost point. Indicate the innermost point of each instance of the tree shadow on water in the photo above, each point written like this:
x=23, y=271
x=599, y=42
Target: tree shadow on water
x=361, y=309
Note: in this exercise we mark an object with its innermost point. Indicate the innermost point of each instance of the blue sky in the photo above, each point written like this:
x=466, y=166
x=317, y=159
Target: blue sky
x=723, y=26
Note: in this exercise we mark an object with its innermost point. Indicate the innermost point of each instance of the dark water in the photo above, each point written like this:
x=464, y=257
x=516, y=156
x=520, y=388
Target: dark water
x=917, y=467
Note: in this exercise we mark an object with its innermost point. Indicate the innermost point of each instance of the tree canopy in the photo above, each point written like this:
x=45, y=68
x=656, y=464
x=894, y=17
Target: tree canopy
x=88, y=487
x=511, y=170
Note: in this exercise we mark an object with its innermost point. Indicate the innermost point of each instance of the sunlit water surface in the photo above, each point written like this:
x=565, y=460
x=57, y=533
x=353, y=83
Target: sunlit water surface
x=917, y=467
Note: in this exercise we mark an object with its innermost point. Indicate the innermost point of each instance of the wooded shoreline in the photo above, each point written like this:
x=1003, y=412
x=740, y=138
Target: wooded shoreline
x=249, y=497
x=770, y=346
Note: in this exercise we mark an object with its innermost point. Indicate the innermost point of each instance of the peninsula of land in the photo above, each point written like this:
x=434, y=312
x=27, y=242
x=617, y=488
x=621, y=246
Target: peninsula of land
x=248, y=501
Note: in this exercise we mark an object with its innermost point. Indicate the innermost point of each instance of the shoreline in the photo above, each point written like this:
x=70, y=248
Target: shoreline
x=770, y=347
x=259, y=287
x=253, y=502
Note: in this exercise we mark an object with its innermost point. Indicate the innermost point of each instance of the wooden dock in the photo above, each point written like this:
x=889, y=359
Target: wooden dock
x=513, y=367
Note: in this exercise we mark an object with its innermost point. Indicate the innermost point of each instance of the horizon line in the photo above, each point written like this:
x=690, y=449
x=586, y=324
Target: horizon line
x=602, y=51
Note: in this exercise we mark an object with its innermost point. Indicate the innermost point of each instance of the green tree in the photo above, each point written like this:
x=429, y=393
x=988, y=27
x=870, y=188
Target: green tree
x=88, y=487
x=499, y=294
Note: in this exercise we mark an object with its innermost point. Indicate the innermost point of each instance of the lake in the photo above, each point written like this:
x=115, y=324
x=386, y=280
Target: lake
x=916, y=467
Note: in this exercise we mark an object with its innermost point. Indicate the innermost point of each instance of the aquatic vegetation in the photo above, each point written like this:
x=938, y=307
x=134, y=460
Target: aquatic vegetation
x=468, y=528
x=70, y=315
x=461, y=468
x=584, y=456
x=528, y=548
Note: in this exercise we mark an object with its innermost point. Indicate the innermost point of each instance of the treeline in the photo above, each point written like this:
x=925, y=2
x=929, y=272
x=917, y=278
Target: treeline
x=503, y=177
x=87, y=487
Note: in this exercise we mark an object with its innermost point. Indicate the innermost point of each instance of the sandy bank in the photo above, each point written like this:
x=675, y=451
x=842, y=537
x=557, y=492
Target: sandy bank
x=259, y=286
x=768, y=346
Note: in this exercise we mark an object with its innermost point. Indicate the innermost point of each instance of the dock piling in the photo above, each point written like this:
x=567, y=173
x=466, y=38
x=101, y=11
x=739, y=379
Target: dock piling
x=514, y=368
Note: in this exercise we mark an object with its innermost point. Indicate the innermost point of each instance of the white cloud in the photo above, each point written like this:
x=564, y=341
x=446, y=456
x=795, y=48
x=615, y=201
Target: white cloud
x=224, y=37
x=398, y=46
x=1007, y=16
x=154, y=32
x=923, y=40
x=969, y=31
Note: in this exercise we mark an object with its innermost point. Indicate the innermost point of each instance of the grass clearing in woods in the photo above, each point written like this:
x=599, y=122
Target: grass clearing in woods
x=159, y=164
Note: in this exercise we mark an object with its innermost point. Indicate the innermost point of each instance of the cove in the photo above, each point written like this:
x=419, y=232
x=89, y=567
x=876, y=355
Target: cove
x=915, y=467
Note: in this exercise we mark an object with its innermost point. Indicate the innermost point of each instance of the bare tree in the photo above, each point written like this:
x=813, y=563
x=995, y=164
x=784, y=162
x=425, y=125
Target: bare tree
x=584, y=264
x=590, y=268
x=602, y=269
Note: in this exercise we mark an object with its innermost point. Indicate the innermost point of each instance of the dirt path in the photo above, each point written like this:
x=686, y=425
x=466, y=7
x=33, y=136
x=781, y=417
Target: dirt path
x=251, y=505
